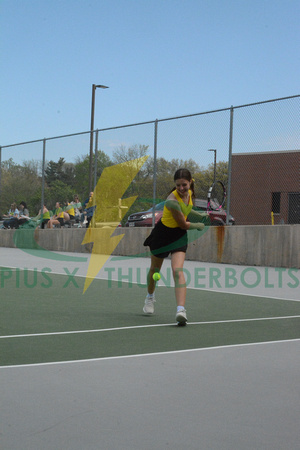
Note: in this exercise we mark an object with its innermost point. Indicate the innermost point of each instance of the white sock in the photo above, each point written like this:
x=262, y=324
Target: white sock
x=180, y=308
x=150, y=295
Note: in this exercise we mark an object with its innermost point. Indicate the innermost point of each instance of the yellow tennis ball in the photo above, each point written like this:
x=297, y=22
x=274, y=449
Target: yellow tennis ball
x=156, y=276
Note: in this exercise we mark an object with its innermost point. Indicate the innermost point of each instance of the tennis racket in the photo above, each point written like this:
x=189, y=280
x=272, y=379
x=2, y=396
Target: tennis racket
x=216, y=196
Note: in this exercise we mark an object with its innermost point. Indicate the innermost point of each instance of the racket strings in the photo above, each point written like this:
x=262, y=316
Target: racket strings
x=217, y=194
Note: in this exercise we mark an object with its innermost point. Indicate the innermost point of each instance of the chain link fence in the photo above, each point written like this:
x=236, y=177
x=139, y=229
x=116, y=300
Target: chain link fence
x=256, y=149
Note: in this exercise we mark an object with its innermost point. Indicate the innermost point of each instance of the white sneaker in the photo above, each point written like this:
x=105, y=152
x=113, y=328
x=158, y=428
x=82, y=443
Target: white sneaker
x=149, y=305
x=181, y=317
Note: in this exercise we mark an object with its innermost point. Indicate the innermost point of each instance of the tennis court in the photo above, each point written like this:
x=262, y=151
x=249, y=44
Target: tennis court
x=92, y=371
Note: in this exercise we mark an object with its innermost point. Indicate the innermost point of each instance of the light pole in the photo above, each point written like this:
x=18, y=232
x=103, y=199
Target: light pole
x=215, y=161
x=94, y=87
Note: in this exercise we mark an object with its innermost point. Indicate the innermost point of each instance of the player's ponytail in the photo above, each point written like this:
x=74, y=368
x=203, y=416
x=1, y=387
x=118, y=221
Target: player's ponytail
x=193, y=189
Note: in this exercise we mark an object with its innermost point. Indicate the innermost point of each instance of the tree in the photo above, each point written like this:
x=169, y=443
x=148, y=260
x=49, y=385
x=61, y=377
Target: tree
x=63, y=180
x=19, y=183
x=59, y=171
x=204, y=178
x=54, y=171
x=121, y=154
x=59, y=192
x=81, y=171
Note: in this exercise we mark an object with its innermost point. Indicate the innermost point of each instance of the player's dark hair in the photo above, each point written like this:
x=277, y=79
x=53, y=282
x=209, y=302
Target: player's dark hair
x=186, y=175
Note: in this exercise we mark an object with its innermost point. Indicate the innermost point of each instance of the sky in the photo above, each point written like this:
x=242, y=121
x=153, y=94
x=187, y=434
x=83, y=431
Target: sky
x=159, y=58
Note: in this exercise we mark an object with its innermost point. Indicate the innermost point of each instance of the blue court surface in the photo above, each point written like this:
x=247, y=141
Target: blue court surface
x=90, y=370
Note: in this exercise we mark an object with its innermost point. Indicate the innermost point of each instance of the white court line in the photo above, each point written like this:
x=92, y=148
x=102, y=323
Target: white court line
x=109, y=358
x=101, y=330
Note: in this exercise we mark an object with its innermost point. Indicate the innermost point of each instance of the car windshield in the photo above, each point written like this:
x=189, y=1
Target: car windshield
x=158, y=207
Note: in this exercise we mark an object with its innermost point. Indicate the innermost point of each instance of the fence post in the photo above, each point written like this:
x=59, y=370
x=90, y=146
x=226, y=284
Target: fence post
x=96, y=159
x=229, y=166
x=0, y=168
x=43, y=179
x=154, y=170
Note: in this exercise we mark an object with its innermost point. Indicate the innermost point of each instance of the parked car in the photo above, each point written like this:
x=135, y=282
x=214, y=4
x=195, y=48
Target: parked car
x=144, y=218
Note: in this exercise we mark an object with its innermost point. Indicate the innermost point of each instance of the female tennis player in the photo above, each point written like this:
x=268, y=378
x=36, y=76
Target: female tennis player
x=170, y=236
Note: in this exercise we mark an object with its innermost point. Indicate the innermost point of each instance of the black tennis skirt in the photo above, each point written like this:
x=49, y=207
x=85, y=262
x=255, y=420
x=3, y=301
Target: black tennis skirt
x=164, y=240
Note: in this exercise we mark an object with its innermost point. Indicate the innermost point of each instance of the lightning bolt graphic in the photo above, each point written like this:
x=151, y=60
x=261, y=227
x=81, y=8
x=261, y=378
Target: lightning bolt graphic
x=108, y=193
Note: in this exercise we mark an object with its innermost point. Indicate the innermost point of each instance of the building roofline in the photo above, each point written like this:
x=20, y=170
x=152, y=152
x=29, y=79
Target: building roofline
x=265, y=153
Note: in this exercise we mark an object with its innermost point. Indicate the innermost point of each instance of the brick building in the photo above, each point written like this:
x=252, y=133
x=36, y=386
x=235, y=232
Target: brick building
x=265, y=182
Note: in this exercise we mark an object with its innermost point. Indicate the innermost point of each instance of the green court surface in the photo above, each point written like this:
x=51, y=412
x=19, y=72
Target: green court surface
x=46, y=318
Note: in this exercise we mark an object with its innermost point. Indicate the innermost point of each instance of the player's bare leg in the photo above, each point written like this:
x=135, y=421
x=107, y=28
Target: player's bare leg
x=177, y=261
x=155, y=266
